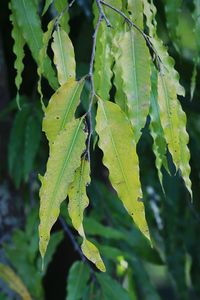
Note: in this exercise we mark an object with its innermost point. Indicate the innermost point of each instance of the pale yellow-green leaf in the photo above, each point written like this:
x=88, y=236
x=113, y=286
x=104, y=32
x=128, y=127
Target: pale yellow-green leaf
x=92, y=253
x=78, y=199
x=135, y=9
x=135, y=67
x=120, y=157
x=64, y=159
x=61, y=108
x=167, y=62
x=63, y=56
x=173, y=121
x=14, y=282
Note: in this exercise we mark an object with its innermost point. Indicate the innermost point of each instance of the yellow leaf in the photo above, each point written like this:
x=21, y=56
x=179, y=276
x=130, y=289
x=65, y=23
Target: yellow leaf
x=120, y=157
x=14, y=282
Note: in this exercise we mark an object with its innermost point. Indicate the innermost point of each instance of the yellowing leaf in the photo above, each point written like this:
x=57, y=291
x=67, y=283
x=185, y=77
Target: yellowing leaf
x=173, y=121
x=78, y=199
x=61, y=108
x=14, y=282
x=63, y=56
x=135, y=67
x=64, y=159
x=120, y=157
x=92, y=253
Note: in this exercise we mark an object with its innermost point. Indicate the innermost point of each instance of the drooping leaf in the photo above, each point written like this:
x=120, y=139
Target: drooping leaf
x=78, y=199
x=173, y=121
x=172, y=10
x=16, y=145
x=164, y=61
x=78, y=278
x=62, y=9
x=43, y=52
x=30, y=26
x=111, y=288
x=18, y=49
x=14, y=282
x=135, y=12
x=92, y=253
x=193, y=80
x=31, y=143
x=63, y=56
x=61, y=108
x=159, y=143
x=196, y=18
x=46, y=6
x=135, y=67
x=63, y=160
x=120, y=157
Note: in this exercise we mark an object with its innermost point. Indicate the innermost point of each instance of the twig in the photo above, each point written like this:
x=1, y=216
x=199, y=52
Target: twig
x=90, y=74
x=71, y=3
x=145, y=36
x=74, y=243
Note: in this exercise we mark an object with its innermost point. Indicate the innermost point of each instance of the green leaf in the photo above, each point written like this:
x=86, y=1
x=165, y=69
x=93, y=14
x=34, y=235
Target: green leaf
x=63, y=160
x=135, y=12
x=61, y=108
x=14, y=282
x=30, y=26
x=173, y=121
x=32, y=142
x=18, y=48
x=172, y=10
x=159, y=142
x=78, y=199
x=46, y=6
x=16, y=145
x=78, y=278
x=196, y=18
x=43, y=52
x=111, y=288
x=135, y=71
x=61, y=7
x=63, y=56
x=92, y=253
x=120, y=157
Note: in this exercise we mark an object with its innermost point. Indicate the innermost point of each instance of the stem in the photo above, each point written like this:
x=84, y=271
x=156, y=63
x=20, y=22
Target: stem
x=74, y=243
x=91, y=76
x=145, y=36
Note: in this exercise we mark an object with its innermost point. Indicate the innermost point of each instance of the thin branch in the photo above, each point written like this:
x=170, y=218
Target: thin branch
x=102, y=14
x=74, y=243
x=145, y=36
x=71, y=3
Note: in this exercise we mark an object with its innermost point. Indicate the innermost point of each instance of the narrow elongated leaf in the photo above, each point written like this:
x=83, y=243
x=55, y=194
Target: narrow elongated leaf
x=172, y=10
x=32, y=141
x=78, y=278
x=63, y=56
x=92, y=253
x=167, y=62
x=196, y=18
x=135, y=67
x=46, y=6
x=64, y=159
x=159, y=145
x=173, y=121
x=14, y=282
x=30, y=25
x=111, y=288
x=61, y=108
x=135, y=12
x=43, y=53
x=18, y=49
x=61, y=7
x=78, y=199
x=120, y=157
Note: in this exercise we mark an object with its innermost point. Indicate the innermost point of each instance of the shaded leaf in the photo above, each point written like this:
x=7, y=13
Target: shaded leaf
x=62, y=9
x=14, y=282
x=78, y=277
